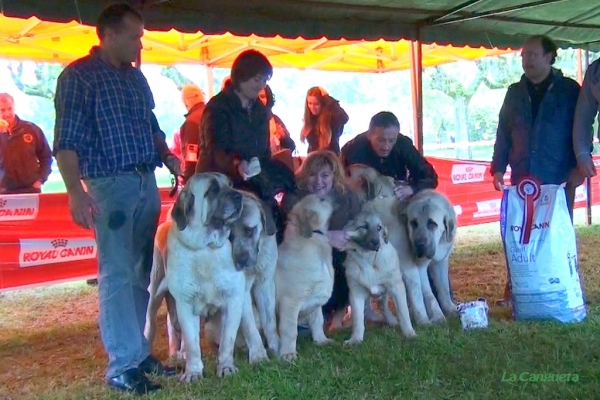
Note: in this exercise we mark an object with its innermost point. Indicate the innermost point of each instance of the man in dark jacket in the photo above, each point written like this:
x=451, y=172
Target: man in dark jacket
x=25, y=157
x=384, y=148
x=535, y=127
x=193, y=98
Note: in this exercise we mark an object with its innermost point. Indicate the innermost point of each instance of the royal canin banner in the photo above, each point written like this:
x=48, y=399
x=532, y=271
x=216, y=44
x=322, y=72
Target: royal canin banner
x=40, y=244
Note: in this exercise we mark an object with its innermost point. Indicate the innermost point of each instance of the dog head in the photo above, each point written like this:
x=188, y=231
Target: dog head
x=430, y=220
x=311, y=215
x=368, y=183
x=367, y=230
x=208, y=202
x=246, y=232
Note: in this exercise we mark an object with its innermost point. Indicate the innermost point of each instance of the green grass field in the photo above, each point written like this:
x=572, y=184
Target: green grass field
x=50, y=348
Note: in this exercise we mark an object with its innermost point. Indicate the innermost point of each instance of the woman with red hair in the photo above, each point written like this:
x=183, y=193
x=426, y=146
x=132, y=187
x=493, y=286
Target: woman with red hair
x=324, y=121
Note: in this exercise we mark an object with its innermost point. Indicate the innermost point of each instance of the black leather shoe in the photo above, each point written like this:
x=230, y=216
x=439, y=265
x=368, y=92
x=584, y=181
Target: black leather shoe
x=132, y=381
x=151, y=365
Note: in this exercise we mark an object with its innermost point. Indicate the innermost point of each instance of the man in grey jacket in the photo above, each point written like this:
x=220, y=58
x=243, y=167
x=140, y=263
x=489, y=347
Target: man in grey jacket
x=587, y=108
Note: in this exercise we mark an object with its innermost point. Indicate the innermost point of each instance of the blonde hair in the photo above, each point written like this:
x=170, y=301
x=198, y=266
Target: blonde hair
x=190, y=89
x=322, y=126
x=314, y=162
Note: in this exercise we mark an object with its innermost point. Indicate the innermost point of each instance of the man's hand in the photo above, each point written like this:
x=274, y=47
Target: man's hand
x=83, y=209
x=37, y=184
x=243, y=168
x=338, y=239
x=498, y=180
x=173, y=164
x=403, y=191
x=586, y=166
x=3, y=126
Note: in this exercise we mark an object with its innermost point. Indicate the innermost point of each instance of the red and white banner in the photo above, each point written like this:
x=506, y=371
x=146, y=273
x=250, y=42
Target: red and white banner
x=40, y=244
x=55, y=251
x=19, y=207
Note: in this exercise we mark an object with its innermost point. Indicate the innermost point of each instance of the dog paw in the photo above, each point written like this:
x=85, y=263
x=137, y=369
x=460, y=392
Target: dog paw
x=290, y=357
x=451, y=312
x=352, y=341
x=410, y=335
x=189, y=377
x=424, y=322
x=226, y=370
x=392, y=321
x=274, y=346
x=438, y=319
x=256, y=357
x=324, y=342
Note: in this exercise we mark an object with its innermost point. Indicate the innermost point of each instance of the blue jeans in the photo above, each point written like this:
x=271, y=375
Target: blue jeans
x=129, y=210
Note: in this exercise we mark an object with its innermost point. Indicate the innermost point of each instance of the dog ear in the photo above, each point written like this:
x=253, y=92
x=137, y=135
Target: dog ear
x=367, y=188
x=403, y=217
x=222, y=178
x=385, y=234
x=183, y=209
x=449, y=228
x=303, y=220
x=213, y=189
x=263, y=219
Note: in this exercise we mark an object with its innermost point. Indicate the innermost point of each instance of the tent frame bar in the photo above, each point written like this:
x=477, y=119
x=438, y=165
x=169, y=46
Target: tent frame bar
x=455, y=10
x=493, y=13
x=416, y=81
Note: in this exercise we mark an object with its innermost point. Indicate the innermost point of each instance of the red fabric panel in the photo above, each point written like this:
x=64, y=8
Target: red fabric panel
x=39, y=243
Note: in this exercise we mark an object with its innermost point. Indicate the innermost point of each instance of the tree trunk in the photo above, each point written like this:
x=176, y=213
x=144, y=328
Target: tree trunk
x=461, y=118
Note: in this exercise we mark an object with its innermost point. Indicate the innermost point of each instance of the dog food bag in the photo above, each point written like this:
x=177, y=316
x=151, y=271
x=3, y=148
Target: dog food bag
x=541, y=253
x=473, y=314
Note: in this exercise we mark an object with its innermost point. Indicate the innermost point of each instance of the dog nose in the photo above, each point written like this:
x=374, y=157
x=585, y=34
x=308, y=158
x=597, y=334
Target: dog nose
x=420, y=249
x=375, y=244
x=242, y=259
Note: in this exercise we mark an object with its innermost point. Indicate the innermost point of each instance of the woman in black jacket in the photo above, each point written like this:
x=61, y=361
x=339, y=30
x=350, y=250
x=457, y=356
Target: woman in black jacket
x=234, y=133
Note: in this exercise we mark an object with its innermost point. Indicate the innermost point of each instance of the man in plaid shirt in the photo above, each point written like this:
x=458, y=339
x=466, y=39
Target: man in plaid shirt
x=106, y=134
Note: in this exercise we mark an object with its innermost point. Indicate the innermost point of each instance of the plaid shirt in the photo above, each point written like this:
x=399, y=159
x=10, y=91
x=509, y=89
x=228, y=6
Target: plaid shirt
x=105, y=115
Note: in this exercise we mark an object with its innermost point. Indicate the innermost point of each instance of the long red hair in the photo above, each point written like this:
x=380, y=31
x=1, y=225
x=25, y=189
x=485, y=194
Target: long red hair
x=320, y=123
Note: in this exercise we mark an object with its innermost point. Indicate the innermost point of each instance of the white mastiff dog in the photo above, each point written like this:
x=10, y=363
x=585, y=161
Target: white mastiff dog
x=373, y=269
x=255, y=252
x=201, y=275
x=304, y=275
x=423, y=231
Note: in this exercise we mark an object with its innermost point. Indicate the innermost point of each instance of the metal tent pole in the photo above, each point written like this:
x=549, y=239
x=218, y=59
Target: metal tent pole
x=416, y=80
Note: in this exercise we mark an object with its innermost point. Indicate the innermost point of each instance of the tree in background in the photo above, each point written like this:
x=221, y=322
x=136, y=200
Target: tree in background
x=177, y=77
x=460, y=81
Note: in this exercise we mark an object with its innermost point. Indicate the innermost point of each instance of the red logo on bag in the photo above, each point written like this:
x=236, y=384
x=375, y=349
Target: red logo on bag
x=530, y=191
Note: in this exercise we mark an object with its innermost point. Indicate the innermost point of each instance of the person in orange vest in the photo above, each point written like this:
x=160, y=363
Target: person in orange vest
x=25, y=156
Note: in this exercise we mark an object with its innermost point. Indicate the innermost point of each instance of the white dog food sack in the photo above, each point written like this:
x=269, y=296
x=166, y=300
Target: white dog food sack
x=541, y=253
x=473, y=314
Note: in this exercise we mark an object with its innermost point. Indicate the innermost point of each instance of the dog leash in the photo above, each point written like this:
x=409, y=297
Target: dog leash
x=174, y=186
